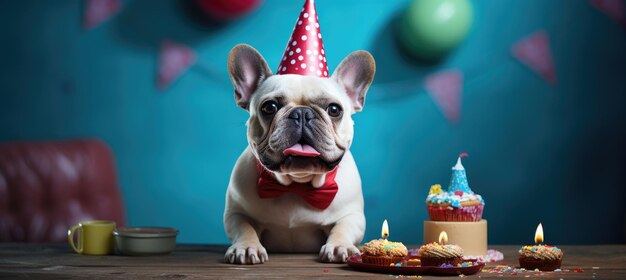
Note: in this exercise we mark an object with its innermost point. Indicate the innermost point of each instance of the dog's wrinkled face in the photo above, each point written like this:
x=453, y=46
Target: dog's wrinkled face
x=299, y=124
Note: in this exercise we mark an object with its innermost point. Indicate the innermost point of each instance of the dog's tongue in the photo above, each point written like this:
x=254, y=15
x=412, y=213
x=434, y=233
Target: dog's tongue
x=302, y=150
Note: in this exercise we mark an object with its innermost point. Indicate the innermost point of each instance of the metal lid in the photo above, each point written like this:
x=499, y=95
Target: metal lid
x=146, y=232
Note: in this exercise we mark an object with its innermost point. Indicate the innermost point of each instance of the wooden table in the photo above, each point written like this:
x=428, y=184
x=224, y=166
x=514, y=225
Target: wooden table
x=204, y=261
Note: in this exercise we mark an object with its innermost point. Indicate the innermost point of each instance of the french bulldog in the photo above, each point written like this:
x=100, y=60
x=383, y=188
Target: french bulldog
x=299, y=132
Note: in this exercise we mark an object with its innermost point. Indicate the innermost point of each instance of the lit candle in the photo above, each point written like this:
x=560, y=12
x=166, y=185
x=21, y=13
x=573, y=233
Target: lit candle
x=539, y=235
x=443, y=238
x=384, y=233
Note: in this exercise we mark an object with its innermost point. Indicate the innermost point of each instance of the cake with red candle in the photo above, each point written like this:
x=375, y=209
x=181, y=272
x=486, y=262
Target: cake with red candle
x=458, y=202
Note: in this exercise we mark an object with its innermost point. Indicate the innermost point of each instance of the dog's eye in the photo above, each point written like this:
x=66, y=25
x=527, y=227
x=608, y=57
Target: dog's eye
x=270, y=107
x=334, y=110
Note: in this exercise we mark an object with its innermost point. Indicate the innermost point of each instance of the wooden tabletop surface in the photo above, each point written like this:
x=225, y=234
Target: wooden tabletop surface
x=56, y=261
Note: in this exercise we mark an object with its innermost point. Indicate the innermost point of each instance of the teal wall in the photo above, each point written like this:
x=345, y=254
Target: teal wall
x=538, y=153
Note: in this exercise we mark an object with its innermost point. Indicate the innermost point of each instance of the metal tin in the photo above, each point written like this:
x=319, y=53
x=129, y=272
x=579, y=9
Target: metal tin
x=136, y=241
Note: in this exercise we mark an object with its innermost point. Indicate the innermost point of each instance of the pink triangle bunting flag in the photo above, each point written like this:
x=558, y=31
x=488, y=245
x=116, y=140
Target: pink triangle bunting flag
x=174, y=60
x=445, y=89
x=534, y=52
x=613, y=9
x=98, y=11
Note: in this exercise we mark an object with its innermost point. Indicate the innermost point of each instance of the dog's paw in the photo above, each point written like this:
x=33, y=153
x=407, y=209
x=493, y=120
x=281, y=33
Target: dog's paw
x=244, y=253
x=337, y=253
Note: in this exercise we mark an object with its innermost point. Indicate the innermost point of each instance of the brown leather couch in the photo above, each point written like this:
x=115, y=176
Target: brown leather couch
x=45, y=187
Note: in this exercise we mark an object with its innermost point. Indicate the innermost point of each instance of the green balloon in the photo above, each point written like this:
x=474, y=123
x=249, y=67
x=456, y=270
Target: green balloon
x=430, y=29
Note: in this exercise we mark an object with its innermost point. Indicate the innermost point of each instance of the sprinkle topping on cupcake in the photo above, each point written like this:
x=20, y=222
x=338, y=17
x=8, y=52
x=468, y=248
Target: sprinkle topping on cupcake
x=456, y=199
x=382, y=247
x=436, y=250
x=541, y=252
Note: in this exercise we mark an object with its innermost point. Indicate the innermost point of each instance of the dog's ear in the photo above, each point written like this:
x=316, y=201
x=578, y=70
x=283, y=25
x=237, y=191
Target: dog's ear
x=247, y=70
x=355, y=74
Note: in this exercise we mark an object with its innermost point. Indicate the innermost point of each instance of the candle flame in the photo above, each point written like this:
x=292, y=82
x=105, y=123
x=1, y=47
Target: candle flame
x=539, y=234
x=385, y=230
x=443, y=237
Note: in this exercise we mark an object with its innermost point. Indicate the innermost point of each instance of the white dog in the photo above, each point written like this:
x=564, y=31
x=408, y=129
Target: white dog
x=299, y=133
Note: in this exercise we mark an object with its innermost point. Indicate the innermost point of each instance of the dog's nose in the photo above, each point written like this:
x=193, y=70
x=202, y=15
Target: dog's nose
x=302, y=114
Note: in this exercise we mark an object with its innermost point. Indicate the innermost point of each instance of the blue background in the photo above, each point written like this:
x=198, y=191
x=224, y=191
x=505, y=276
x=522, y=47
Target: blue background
x=538, y=153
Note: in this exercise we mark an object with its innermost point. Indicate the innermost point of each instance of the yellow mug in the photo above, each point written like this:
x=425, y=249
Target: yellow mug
x=94, y=237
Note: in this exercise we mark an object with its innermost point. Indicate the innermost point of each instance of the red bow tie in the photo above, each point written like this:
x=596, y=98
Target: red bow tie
x=319, y=198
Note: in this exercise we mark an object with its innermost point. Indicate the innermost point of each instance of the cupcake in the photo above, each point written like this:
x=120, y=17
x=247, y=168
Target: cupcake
x=383, y=252
x=458, y=203
x=435, y=254
x=542, y=257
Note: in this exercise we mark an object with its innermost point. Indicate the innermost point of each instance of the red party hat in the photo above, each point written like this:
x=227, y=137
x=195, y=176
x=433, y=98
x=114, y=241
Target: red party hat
x=305, y=51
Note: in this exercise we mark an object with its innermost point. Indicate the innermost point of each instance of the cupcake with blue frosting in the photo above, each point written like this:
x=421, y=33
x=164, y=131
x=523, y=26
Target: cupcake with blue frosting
x=458, y=203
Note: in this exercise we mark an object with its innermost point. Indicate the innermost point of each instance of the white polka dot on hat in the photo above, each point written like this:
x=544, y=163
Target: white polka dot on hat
x=303, y=43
